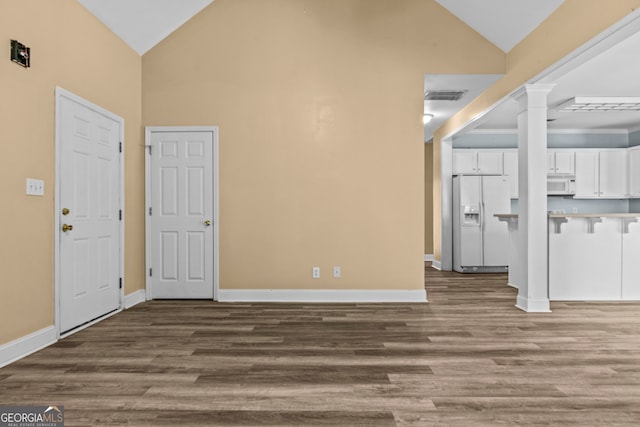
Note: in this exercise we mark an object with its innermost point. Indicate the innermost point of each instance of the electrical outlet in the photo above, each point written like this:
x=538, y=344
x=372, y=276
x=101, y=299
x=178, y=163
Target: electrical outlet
x=315, y=272
x=337, y=272
x=35, y=187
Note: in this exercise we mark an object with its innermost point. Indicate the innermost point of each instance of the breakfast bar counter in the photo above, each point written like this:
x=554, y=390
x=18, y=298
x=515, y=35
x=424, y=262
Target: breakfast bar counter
x=591, y=257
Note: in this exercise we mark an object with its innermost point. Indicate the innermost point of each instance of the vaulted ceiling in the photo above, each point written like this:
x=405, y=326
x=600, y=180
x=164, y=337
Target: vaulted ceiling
x=144, y=23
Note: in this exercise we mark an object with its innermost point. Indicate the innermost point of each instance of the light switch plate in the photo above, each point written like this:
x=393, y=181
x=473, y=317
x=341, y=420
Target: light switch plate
x=337, y=272
x=35, y=187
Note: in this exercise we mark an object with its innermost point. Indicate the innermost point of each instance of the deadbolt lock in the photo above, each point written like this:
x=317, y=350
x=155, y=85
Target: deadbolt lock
x=207, y=222
x=65, y=211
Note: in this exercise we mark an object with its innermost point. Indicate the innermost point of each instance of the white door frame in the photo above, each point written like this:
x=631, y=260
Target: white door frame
x=216, y=223
x=446, y=207
x=60, y=94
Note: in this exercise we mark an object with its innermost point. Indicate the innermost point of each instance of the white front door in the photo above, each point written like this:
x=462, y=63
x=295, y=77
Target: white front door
x=89, y=212
x=181, y=214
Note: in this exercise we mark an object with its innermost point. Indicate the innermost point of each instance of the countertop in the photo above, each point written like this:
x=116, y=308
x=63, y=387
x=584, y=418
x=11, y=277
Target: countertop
x=594, y=215
x=579, y=215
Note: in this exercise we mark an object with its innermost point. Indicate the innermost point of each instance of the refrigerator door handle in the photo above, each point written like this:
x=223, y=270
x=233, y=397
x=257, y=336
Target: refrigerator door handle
x=482, y=229
x=482, y=188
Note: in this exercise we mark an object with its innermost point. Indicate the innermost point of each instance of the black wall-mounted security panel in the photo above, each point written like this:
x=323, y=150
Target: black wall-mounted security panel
x=20, y=54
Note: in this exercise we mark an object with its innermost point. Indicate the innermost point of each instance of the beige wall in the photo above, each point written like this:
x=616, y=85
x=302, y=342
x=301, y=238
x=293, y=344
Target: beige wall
x=428, y=198
x=319, y=105
x=71, y=49
x=574, y=23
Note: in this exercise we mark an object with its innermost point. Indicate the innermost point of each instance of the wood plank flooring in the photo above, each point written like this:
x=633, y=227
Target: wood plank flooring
x=467, y=358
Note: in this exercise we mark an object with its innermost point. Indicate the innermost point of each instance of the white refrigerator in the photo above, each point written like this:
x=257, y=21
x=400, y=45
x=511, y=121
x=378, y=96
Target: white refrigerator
x=480, y=241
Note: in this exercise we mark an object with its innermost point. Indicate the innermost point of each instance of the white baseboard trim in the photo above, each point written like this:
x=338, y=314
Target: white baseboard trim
x=429, y=257
x=134, y=298
x=531, y=305
x=24, y=346
x=436, y=264
x=322, y=295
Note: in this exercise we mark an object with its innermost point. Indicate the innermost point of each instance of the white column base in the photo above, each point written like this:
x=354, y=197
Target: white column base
x=531, y=305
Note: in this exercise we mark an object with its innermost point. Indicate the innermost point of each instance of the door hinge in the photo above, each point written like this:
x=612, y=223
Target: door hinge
x=150, y=150
x=150, y=272
x=121, y=147
x=120, y=214
x=121, y=283
x=150, y=211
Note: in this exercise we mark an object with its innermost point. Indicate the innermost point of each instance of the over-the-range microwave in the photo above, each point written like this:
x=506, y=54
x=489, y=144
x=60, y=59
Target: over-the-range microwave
x=561, y=185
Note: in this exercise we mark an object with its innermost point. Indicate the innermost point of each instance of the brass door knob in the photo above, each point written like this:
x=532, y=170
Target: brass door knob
x=67, y=227
x=207, y=222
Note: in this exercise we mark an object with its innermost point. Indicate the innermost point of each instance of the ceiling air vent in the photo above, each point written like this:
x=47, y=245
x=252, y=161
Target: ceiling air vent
x=444, y=95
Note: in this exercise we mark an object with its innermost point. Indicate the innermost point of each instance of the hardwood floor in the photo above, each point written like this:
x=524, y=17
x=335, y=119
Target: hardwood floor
x=467, y=358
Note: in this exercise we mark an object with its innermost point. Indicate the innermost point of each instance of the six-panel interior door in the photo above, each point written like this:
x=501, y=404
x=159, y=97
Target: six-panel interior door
x=89, y=194
x=181, y=216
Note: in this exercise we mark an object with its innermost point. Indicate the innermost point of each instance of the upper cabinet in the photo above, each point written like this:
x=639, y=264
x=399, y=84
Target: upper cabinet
x=587, y=174
x=477, y=162
x=601, y=174
x=613, y=174
x=561, y=162
x=634, y=171
x=510, y=159
x=607, y=173
x=464, y=162
x=490, y=162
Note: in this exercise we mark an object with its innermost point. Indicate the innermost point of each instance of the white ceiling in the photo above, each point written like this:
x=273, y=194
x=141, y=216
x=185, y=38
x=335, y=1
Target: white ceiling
x=503, y=22
x=144, y=23
x=613, y=72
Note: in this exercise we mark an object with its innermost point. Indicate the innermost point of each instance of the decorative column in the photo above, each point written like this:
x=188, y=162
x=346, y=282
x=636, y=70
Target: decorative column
x=533, y=295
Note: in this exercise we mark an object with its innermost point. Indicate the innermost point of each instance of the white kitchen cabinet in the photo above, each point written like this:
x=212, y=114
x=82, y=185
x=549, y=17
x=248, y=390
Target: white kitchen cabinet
x=613, y=174
x=551, y=163
x=464, y=162
x=586, y=174
x=477, y=162
x=634, y=172
x=510, y=160
x=630, y=264
x=601, y=174
x=561, y=162
x=490, y=162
